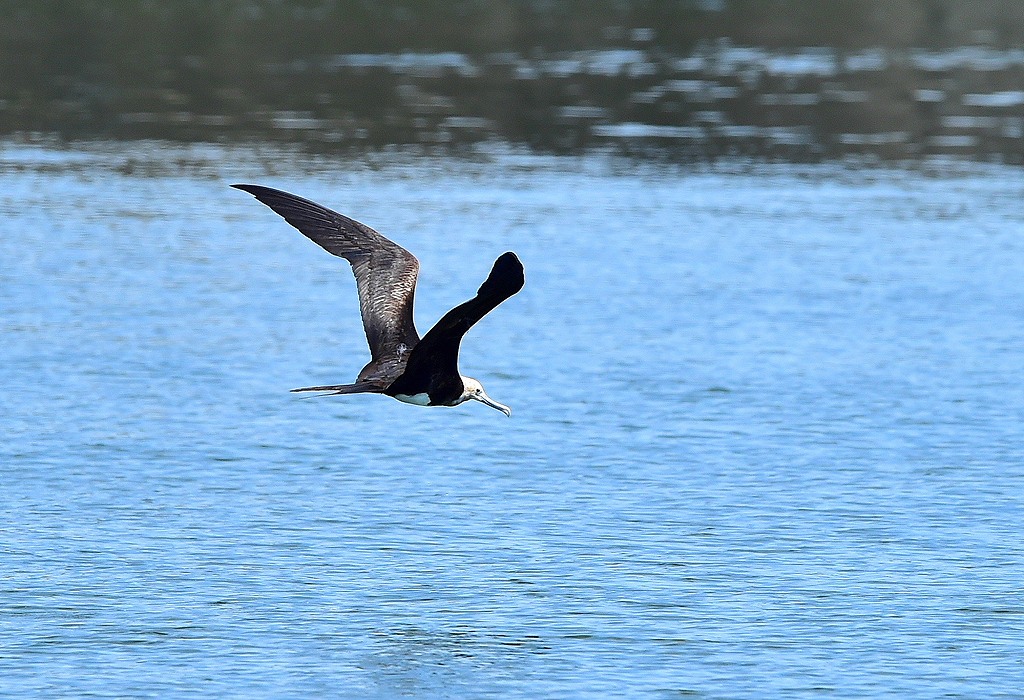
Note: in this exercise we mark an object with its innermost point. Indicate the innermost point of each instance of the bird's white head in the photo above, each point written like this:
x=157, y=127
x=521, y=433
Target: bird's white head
x=474, y=390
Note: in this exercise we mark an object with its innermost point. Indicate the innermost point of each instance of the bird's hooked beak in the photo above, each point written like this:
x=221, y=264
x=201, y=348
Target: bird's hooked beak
x=485, y=399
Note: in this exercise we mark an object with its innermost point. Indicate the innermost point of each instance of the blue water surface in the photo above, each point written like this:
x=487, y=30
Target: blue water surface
x=766, y=437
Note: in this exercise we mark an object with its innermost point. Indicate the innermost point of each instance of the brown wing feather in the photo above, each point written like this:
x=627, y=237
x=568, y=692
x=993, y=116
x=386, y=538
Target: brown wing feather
x=385, y=274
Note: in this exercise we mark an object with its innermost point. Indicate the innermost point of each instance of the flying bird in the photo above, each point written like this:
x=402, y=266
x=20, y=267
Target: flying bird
x=424, y=372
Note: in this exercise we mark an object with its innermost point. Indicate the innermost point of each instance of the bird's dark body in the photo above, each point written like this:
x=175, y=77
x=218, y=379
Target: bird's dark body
x=443, y=390
x=401, y=365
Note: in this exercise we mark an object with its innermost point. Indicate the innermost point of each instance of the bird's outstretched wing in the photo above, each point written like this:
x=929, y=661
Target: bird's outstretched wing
x=385, y=272
x=438, y=352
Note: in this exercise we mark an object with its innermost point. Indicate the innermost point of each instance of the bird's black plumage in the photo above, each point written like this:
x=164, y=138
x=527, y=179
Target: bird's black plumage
x=434, y=363
x=401, y=364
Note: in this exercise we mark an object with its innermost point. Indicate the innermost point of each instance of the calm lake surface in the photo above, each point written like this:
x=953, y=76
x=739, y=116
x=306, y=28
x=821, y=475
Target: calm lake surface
x=766, y=436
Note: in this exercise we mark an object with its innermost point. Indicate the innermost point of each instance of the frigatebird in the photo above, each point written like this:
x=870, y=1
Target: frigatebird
x=424, y=372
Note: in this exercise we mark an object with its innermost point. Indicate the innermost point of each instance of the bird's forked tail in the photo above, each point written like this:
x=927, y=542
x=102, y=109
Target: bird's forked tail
x=334, y=389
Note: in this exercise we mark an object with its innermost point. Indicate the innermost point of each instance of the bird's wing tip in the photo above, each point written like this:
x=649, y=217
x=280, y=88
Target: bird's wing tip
x=509, y=260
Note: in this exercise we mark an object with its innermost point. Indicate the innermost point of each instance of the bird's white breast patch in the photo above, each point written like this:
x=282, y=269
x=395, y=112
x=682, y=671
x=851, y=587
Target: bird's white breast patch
x=416, y=399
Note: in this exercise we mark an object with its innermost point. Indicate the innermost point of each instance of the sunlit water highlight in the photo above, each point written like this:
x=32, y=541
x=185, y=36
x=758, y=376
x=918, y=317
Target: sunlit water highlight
x=766, y=433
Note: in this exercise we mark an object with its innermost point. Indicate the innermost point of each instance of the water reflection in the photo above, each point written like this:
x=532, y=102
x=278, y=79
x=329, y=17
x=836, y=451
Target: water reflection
x=720, y=99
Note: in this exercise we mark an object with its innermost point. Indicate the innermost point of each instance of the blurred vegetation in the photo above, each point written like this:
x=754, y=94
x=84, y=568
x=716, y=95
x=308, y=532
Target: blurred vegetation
x=67, y=62
x=242, y=68
x=50, y=47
